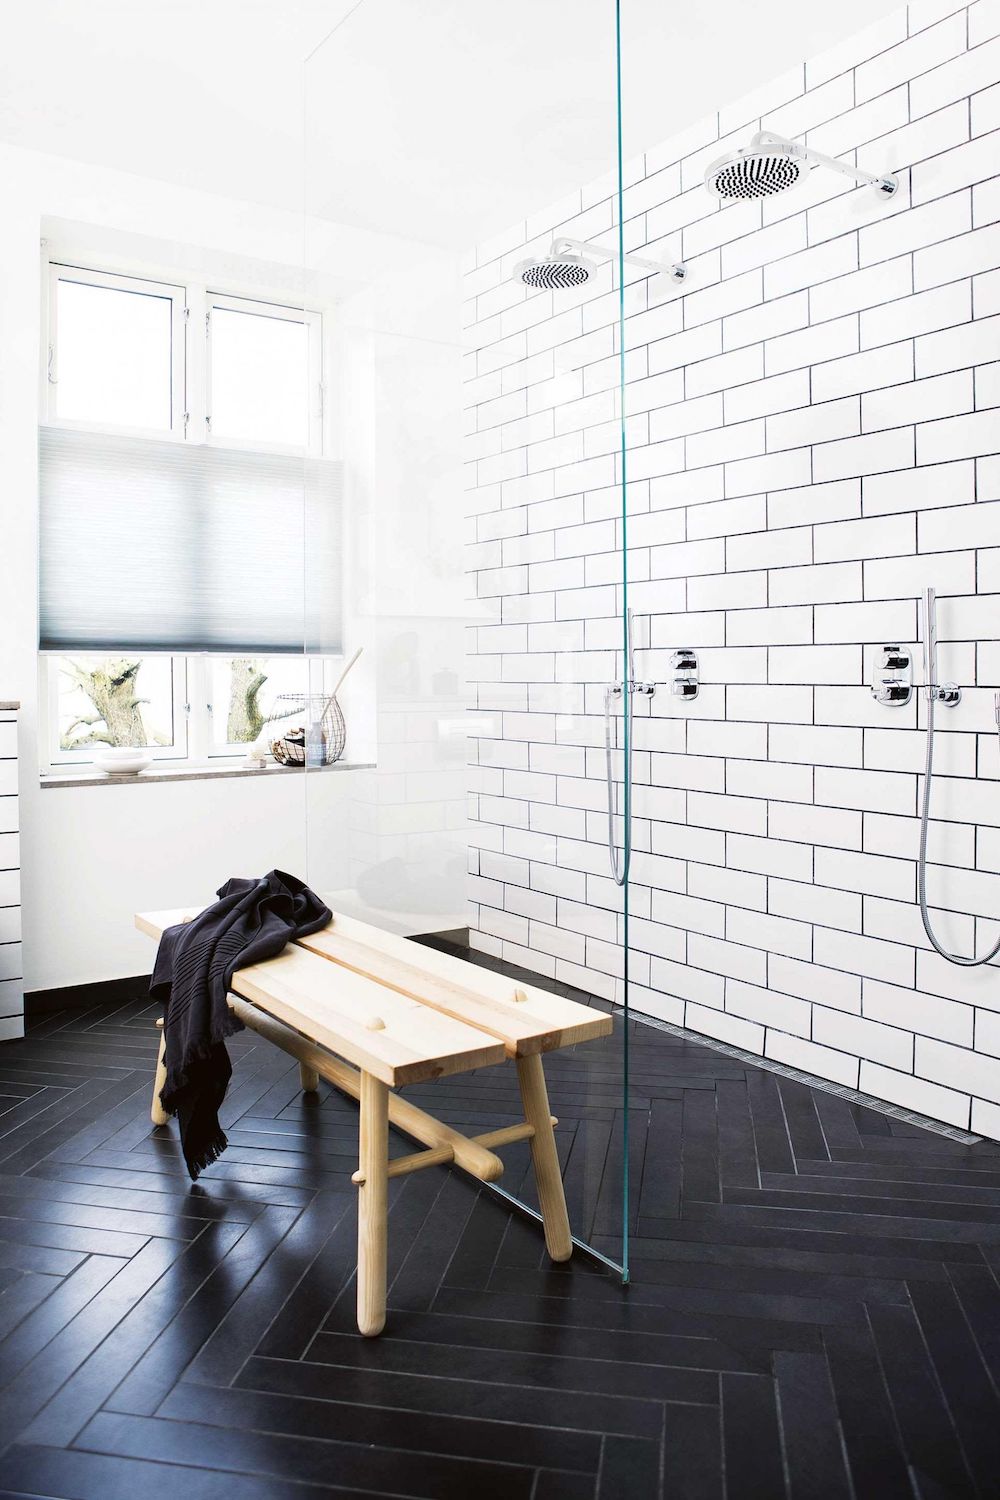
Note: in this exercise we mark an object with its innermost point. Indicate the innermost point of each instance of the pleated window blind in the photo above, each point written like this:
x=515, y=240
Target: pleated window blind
x=149, y=545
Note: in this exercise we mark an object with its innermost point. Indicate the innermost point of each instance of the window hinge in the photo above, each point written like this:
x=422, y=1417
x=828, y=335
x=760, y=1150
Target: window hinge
x=51, y=364
x=208, y=424
x=187, y=314
x=185, y=418
x=208, y=322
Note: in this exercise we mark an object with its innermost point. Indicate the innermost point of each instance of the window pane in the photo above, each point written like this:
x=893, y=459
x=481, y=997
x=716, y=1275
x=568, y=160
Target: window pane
x=259, y=378
x=113, y=356
x=115, y=701
x=246, y=691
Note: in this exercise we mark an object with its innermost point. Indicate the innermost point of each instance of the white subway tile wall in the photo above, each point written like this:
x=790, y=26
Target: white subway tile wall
x=812, y=430
x=11, y=971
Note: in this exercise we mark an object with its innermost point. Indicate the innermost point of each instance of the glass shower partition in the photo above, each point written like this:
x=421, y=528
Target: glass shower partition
x=474, y=416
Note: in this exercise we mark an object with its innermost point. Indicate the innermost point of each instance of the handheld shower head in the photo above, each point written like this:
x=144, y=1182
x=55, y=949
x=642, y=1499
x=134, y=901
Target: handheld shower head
x=929, y=641
x=948, y=693
x=770, y=164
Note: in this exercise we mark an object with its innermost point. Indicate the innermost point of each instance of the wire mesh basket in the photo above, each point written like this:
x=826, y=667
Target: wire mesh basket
x=321, y=737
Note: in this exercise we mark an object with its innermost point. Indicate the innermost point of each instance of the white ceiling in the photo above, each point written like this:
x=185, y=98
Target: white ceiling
x=442, y=120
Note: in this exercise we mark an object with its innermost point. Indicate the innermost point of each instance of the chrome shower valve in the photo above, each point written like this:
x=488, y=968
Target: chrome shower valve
x=892, y=684
x=684, y=683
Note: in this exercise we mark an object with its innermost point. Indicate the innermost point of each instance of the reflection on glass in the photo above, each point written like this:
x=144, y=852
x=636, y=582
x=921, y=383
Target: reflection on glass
x=259, y=377
x=482, y=668
x=114, y=356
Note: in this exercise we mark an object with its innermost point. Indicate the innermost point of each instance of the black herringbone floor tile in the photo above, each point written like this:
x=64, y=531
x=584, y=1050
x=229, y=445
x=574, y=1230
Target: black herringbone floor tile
x=814, y=1312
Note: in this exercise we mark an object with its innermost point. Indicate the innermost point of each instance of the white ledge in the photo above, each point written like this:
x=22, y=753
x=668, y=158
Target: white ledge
x=89, y=777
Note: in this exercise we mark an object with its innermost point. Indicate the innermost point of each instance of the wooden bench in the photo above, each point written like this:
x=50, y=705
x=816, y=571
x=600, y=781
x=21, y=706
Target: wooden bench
x=369, y=1011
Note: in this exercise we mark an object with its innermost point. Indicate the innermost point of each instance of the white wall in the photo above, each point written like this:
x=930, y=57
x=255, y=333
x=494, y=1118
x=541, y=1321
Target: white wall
x=11, y=965
x=812, y=436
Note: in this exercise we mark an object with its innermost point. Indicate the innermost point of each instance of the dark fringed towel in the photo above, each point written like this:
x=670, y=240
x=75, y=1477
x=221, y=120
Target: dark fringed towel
x=195, y=963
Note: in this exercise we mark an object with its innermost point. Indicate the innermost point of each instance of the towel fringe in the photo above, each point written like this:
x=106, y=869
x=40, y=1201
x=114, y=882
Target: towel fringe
x=210, y=1153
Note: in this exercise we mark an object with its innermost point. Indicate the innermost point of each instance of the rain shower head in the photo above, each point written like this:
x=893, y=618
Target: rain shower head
x=770, y=164
x=567, y=265
x=555, y=271
x=756, y=173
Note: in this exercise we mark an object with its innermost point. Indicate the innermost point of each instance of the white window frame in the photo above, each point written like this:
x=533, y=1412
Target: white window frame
x=177, y=753
x=192, y=304
x=142, y=285
x=204, y=745
x=313, y=324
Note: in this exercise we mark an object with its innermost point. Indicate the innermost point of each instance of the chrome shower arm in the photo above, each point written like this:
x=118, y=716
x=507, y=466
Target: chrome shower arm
x=561, y=246
x=886, y=184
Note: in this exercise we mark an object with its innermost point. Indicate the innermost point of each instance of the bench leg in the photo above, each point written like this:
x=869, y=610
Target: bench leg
x=545, y=1158
x=373, y=1204
x=157, y=1113
x=308, y=1078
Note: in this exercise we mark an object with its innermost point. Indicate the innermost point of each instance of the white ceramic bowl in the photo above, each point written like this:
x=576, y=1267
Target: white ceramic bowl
x=121, y=760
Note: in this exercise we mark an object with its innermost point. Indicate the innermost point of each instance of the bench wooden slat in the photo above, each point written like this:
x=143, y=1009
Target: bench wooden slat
x=336, y=1009
x=537, y=1022
x=378, y=970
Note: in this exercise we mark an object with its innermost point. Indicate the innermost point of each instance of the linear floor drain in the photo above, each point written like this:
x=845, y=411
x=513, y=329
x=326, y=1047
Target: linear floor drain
x=883, y=1106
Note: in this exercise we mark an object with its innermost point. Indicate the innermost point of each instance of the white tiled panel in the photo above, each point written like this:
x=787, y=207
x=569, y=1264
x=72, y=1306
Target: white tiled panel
x=812, y=428
x=11, y=971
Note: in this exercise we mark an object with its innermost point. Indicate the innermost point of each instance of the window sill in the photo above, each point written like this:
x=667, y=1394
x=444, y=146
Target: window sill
x=63, y=777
